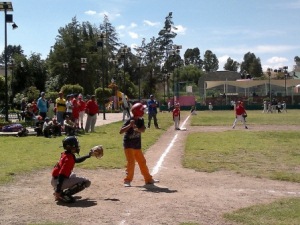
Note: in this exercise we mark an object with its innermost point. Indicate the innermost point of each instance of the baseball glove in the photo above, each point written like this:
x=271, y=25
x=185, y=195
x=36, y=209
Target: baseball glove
x=245, y=115
x=97, y=151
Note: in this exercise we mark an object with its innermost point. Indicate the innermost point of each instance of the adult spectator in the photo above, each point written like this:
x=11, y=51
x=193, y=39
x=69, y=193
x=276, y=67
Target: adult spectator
x=91, y=109
x=60, y=108
x=69, y=106
x=81, y=103
x=152, y=111
x=42, y=105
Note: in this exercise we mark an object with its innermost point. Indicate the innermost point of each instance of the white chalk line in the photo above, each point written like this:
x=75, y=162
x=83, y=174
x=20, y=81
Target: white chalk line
x=159, y=163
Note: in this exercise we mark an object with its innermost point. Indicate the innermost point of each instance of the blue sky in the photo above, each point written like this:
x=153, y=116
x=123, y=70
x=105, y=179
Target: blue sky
x=229, y=28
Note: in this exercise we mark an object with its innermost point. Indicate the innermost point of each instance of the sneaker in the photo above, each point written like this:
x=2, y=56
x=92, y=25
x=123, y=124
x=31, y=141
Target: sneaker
x=127, y=184
x=65, y=198
x=153, y=181
x=246, y=127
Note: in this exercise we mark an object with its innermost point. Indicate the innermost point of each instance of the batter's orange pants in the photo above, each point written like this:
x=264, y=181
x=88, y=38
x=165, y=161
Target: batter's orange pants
x=133, y=155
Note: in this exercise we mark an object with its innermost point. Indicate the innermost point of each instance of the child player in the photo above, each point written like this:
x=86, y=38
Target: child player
x=176, y=116
x=64, y=182
x=132, y=143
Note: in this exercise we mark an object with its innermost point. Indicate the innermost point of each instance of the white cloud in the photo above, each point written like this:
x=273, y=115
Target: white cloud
x=180, y=29
x=276, y=60
x=90, y=12
x=133, y=35
x=133, y=25
x=259, y=49
x=151, y=24
x=111, y=16
x=121, y=27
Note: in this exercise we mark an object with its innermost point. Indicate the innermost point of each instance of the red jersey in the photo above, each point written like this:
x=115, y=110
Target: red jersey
x=75, y=111
x=239, y=110
x=92, y=107
x=65, y=165
x=81, y=105
x=176, y=112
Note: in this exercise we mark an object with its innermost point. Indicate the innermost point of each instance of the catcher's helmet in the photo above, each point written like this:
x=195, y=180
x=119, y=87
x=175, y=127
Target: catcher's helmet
x=71, y=142
x=137, y=109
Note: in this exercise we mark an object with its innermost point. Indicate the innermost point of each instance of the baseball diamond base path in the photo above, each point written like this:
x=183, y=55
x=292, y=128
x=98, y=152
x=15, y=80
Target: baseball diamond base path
x=182, y=195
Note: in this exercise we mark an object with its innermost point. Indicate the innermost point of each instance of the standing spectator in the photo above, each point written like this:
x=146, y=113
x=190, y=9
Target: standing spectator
x=23, y=108
x=240, y=114
x=69, y=106
x=169, y=106
x=51, y=109
x=42, y=105
x=265, y=107
x=284, y=106
x=81, y=105
x=133, y=129
x=125, y=107
x=152, y=111
x=60, y=108
x=75, y=111
x=91, y=109
x=176, y=116
x=210, y=106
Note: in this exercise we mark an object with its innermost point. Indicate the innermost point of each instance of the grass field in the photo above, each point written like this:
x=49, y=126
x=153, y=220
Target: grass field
x=269, y=154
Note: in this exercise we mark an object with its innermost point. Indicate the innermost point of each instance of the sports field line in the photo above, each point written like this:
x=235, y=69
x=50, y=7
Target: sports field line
x=159, y=163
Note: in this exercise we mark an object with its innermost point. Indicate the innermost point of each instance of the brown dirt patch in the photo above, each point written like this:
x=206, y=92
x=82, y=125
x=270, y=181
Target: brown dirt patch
x=183, y=195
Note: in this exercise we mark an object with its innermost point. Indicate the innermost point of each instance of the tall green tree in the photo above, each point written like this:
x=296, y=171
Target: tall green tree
x=251, y=65
x=231, y=65
x=210, y=62
x=192, y=57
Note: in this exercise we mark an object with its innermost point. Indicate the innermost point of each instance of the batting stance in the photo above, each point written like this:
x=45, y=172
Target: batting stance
x=132, y=145
x=64, y=181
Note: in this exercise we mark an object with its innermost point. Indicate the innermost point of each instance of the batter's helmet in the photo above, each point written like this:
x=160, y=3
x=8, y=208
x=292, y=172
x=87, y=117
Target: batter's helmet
x=137, y=109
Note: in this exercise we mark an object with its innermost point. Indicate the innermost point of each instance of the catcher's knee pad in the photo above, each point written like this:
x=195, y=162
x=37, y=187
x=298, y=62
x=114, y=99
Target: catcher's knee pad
x=77, y=187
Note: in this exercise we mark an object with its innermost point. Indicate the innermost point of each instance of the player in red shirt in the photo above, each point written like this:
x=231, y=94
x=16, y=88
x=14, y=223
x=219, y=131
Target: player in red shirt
x=240, y=114
x=176, y=116
x=64, y=181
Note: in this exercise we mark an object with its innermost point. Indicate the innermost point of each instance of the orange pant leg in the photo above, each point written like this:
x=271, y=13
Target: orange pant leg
x=129, y=154
x=140, y=158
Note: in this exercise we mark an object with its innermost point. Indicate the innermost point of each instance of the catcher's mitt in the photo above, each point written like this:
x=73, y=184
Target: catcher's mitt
x=97, y=151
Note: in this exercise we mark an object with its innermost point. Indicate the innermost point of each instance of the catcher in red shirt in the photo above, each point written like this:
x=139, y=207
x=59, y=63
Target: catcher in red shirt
x=64, y=181
x=240, y=114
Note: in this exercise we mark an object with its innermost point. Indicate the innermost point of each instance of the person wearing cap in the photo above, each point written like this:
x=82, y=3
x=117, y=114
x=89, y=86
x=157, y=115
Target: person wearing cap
x=81, y=104
x=240, y=114
x=39, y=126
x=91, y=109
x=60, y=108
x=42, y=105
x=152, y=111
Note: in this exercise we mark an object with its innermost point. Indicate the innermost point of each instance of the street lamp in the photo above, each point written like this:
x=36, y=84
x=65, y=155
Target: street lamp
x=269, y=70
x=100, y=43
x=8, y=18
x=285, y=77
x=176, y=51
x=124, y=51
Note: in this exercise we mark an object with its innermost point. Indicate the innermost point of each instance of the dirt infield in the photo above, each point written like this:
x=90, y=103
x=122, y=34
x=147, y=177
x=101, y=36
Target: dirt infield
x=182, y=195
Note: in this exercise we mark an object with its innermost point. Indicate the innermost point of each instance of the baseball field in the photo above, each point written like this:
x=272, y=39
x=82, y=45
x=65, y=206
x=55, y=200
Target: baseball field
x=209, y=174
